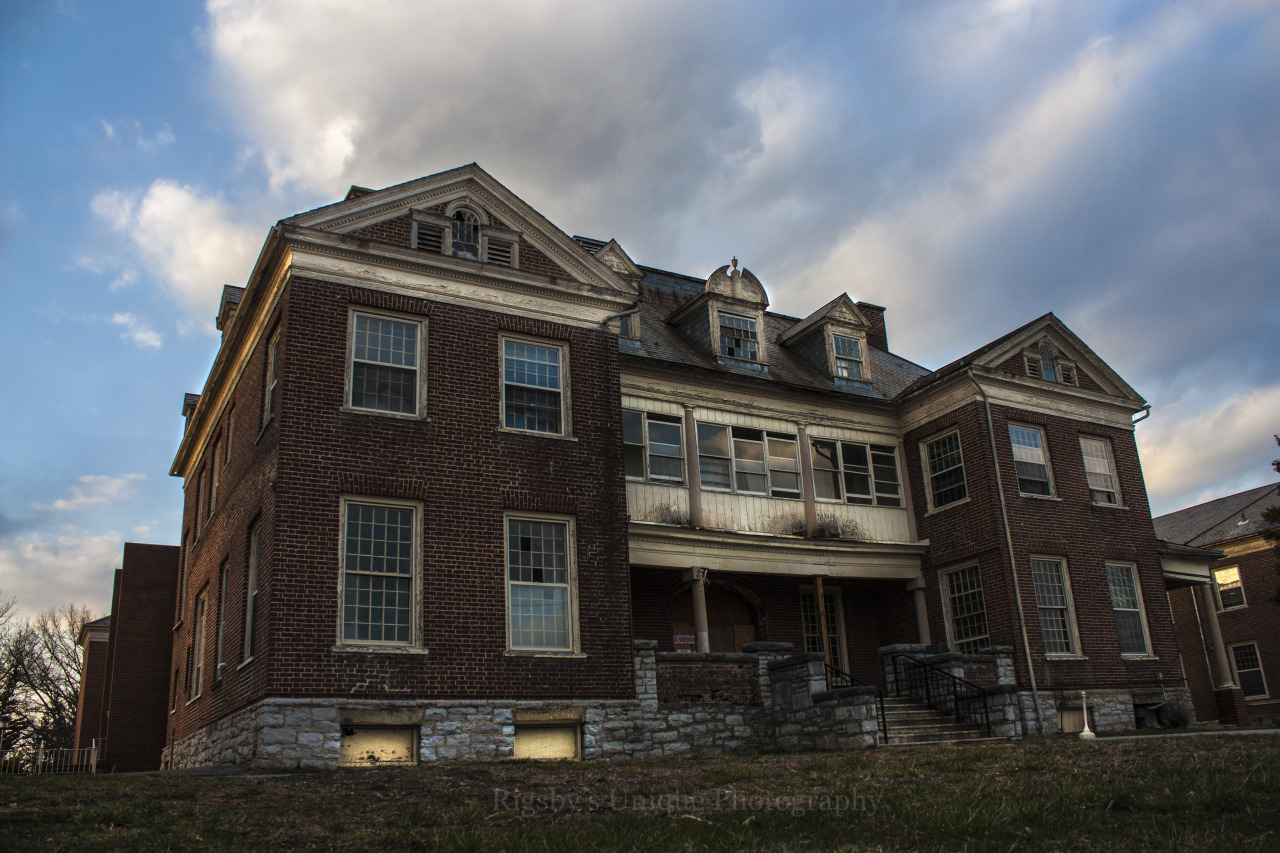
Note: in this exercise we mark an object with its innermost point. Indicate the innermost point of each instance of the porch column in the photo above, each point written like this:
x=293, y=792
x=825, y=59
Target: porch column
x=820, y=600
x=702, y=634
x=916, y=585
x=1224, y=679
x=695, y=479
x=806, y=473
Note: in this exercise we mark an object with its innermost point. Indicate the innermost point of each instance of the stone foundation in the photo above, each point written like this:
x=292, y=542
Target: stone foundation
x=792, y=710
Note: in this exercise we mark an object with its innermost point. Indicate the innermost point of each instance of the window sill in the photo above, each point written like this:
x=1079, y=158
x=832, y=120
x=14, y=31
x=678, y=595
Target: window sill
x=952, y=505
x=535, y=434
x=263, y=431
x=244, y=663
x=193, y=700
x=1137, y=657
x=1054, y=498
x=378, y=413
x=1249, y=699
x=1108, y=506
x=1054, y=658
x=1233, y=609
x=534, y=653
x=352, y=648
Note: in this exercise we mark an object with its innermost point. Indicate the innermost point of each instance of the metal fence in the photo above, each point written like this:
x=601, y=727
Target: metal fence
x=39, y=759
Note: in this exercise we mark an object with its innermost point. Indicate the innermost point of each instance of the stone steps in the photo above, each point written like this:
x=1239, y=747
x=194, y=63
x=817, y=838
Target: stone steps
x=910, y=723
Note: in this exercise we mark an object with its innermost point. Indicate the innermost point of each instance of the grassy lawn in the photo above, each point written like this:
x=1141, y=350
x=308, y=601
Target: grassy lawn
x=1195, y=793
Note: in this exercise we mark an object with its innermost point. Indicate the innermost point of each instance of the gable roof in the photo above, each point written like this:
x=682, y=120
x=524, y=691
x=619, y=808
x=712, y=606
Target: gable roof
x=993, y=354
x=1218, y=520
x=361, y=209
x=840, y=310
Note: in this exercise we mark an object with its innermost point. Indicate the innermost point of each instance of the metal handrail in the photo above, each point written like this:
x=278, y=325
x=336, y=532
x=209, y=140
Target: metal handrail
x=839, y=678
x=942, y=691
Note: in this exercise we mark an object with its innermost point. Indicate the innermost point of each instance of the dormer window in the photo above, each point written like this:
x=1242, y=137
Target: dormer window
x=848, y=354
x=738, y=337
x=466, y=235
x=1043, y=363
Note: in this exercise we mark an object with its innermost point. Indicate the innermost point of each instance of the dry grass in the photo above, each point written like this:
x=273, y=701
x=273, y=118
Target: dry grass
x=1188, y=793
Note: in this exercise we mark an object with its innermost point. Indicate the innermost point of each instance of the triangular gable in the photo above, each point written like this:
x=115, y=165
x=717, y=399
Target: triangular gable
x=360, y=210
x=613, y=256
x=840, y=311
x=1049, y=329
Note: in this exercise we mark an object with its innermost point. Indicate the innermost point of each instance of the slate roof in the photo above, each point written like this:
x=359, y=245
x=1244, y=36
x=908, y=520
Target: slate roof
x=1219, y=520
x=663, y=293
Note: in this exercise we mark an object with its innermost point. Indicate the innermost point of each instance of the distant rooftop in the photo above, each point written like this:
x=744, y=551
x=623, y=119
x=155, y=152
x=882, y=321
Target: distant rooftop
x=1219, y=520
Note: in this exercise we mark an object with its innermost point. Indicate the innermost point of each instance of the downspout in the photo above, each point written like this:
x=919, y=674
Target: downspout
x=633, y=310
x=1146, y=413
x=1013, y=566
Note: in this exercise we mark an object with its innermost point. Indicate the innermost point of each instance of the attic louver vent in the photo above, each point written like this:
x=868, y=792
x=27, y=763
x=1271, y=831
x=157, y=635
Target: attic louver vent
x=1033, y=366
x=1067, y=373
x=430, y=239
x=499, y=253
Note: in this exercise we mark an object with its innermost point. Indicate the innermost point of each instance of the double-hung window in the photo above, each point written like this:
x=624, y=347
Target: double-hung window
x=965, y=610
x=196, y=668
x=1248, y=666
x=271, y=383
x=848, y=354
x=653, y=447
x=220, y=649
x=945, y=468
x=251, y=593
x=215, y=464
x=1100, y=470
x=748, y=461
x=540, y=582
x=855, y=473
x=1230, y=588
x=738, y=337
x=386, y=364
x=1030, y=461
x=1126, y=604
x=379, y=567
x=813, y=627
x=533, y=386
x=1053, y=600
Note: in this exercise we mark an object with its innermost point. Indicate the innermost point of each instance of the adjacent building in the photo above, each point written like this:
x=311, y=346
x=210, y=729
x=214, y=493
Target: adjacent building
x=460, y=485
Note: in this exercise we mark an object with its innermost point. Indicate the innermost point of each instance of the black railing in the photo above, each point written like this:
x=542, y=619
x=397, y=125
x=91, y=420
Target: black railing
x=838, y=678
x=942, y=691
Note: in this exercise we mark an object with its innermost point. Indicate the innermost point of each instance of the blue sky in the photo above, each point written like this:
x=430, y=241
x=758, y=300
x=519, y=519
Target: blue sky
x=969, y=165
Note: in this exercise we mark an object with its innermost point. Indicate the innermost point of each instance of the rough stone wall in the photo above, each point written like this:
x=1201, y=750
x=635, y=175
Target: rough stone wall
x=285, y=733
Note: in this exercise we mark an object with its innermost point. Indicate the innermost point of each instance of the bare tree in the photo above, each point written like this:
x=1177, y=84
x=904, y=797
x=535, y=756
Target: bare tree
x=48, y=672
x=13, y=716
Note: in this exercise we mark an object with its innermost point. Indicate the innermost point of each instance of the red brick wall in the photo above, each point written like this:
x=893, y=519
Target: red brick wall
x=701, y=680
x=141, y=629
x=1258, y=621
x=1196, y=649
x=465, y=472
x=93, y=679
x=1068, y=527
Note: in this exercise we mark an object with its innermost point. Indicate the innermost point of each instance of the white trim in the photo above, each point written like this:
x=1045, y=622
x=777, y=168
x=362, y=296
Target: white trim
x=1044, y=453
x=571, y=567
x=842, y=635
x=1142, y=608
x=566, y=424
x=647, y=477
x=1109, y=454
x=1262, y=670
x=927, y=471
x=944, y=592
x=415, y=577
x=1073, y=630
x=420, y=409
x=1217, y=590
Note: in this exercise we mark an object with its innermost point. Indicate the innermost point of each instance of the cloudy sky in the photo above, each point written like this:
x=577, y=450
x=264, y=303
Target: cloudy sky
x=970, y=165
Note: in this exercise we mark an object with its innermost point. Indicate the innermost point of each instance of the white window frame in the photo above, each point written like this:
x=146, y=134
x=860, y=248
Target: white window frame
x=1132, y=568
x=183, y=570
x=229, y=433
x=251, y=592
x=571, y=565
x=1044, y=457
x=1239, y=584
x=1110, y=460
x=420, y=408
x=566, y=427
x=415, y=577
x=771, y=490
x=876, y=497
x=948, y=614
x=201, y=505
x=1073, y=632
x=215, y=465
x=198, y=626
x=271, y=380
x=837, y=360
x=220, y=650
x=755, y=332
x=927, y=469
x=1261, y=670
x=647, y=444
x=841, y=651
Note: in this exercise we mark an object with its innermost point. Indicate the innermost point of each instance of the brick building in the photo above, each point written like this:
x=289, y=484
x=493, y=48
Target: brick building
x=1228, y=625
x=460, y=485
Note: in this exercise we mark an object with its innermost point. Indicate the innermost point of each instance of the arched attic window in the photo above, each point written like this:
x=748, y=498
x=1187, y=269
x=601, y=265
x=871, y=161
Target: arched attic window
x=466, y=235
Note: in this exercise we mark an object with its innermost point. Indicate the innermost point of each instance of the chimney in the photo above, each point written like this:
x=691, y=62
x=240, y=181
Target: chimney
x=874, y=315
x=227, y=307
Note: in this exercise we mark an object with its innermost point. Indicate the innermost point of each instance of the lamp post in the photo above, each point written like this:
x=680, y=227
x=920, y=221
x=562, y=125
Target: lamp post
x=1085, y=733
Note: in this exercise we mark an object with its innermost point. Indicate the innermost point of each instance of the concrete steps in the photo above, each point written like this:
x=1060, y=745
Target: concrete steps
x=911, y=723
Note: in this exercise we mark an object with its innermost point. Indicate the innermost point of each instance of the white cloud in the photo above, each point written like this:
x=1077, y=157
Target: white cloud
x=1191, y=453
x=132, y=130
x=137, y=331
x=189, y=241
x=95, y=490
x=48, y=570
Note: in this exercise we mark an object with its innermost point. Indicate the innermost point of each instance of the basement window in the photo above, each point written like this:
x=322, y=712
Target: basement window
x=377, y=746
